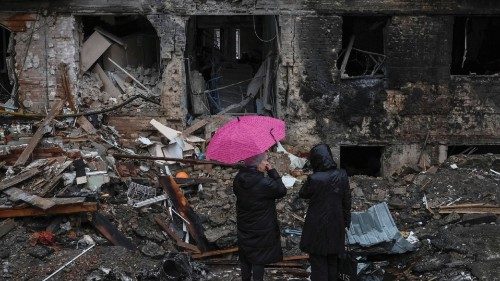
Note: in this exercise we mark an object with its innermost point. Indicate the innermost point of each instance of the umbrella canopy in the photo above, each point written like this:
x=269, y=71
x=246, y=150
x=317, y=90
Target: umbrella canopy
x=244, y=137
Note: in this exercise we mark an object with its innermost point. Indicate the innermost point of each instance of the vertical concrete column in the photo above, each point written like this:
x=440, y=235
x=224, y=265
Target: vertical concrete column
x=39, y=51
x=309, y=48
x=171, y=30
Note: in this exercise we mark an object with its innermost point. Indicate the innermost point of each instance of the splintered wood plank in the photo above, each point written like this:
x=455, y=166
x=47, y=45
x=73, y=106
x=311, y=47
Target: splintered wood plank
x=56, y=210
x=66, y=87
x=93, y=49
x=6, y=226
x=18, y=179
x=215, y=253
x=39, y=133
x=109, y=87
x=86, y=125
x=108, y=230
x=17, y=194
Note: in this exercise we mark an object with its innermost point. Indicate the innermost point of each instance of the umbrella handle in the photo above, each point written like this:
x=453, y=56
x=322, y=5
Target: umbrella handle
x=271, y=132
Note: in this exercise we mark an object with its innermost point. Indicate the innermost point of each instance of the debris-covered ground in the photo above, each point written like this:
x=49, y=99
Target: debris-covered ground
x=70, y=198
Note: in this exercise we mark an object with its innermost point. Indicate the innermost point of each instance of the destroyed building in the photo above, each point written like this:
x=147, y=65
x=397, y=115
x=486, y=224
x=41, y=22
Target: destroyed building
x=386, y=84
x=390, y=85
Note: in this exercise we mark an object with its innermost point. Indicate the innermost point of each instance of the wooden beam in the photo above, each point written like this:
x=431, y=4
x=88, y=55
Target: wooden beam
x=198, y=125
x=108, y=230
x=346, y=57
x=66, y=87
x=181, y=205
x=180, y=160
x=39, y=133
x=86, y=125
x=109, y=87
x=216, y=253
x=7, y=183
x=17, y=194
x=470, y=209
x=56, y=210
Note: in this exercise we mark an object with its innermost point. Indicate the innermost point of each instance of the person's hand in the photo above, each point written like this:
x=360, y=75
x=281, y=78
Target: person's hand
x=268, y=167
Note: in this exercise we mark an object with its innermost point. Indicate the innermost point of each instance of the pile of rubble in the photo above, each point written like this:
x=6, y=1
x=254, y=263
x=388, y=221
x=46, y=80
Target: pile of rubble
x=76, y=203
x=94, y=94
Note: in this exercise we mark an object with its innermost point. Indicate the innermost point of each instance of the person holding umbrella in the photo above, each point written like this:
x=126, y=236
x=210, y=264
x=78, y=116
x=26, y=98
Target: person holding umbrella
x=247, y=138
x=328, y=215
x=257, y=223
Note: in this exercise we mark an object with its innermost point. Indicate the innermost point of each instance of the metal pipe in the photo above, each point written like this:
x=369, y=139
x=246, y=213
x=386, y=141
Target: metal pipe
x=66, y=264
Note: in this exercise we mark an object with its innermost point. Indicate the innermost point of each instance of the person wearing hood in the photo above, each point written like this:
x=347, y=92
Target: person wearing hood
x=328, y=215
x=259, y=240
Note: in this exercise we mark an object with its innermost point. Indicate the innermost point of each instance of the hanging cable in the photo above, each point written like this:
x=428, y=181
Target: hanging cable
x=255, y=31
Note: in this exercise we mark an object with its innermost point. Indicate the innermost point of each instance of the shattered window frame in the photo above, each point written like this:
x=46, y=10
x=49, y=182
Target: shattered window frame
x=374, y=61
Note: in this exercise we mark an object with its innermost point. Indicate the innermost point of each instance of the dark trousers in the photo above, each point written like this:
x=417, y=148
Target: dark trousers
x=248, y=269
x=323, y=268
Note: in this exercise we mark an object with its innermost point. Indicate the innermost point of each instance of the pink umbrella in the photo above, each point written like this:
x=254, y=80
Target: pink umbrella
x=244, y=137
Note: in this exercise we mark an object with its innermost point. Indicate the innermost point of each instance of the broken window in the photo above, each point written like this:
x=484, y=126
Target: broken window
x=235, y=73
x=361, y=160
x=476, y=45
x=473, y=149
x=5, y=85
x=362, y=47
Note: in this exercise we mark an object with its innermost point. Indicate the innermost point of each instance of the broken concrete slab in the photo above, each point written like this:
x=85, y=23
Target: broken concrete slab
x=92, y=49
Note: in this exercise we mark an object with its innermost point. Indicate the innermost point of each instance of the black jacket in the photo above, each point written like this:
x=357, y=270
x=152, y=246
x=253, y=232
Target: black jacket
x=329, y=209
x=258, y=230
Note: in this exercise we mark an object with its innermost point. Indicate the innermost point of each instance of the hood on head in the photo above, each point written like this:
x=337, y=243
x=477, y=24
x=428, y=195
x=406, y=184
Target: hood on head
x=321, y=158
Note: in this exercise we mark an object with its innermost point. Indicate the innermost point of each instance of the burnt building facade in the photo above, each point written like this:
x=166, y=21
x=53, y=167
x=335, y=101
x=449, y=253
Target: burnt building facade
x=386, y=83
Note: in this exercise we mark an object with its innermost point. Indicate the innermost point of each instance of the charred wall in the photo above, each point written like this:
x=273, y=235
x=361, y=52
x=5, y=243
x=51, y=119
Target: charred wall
x=417, y=99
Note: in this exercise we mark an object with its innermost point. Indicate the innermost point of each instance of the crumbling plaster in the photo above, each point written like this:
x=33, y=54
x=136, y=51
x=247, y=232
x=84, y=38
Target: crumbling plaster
x=39, y=52
x=172, y=33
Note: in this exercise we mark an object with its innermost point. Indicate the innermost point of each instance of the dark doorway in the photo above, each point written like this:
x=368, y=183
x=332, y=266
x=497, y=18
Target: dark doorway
x=473, y=149
x=476, y=41
x=361, y=160
x=5, y=85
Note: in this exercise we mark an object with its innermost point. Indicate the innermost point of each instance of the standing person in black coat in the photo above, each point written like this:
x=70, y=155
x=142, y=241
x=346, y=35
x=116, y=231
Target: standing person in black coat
x=258, y=230
x=329, y=213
